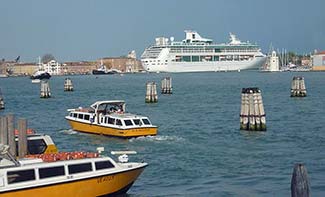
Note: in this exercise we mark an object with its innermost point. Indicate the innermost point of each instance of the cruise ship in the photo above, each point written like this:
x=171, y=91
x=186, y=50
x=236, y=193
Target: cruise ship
x=198, y=54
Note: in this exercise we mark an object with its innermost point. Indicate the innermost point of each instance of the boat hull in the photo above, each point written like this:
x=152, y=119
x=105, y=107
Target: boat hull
x=42, y=76
x=111, y=184
x=104, y=130
x=177, y=67
x=97, y=72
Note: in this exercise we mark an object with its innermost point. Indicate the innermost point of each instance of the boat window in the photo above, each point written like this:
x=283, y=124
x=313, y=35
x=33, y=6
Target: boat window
x=111, y=120
x=106, y=120
x=75, y=115
x=87, y=117
x=71, y=114
x=118, y=122
x=51, y=172
x=103, y=165
x=195, y=58
x=146, y=121
x=80, y=116
x=20, y=176
x=137, y=121
x=37, y=146
x=34, y=146
x=128, y=122
x=78, y=168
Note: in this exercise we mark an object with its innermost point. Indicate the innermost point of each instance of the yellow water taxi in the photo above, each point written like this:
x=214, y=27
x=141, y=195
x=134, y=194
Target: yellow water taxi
x=70, y=174
x=110, y=118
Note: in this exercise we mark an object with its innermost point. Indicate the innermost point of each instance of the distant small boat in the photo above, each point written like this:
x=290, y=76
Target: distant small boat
x=110, y=118
x=102, y=70
x=40, y=75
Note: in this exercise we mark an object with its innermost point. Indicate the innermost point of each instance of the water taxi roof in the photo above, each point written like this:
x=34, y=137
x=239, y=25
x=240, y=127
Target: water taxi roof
x=111, y=102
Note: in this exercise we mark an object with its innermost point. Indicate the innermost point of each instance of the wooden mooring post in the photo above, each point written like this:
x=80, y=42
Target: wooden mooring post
x=68, y=85
x=166, y=86
x=45, y=89
x=7, y=133
x=151, y=92
x=252, y=115
x=300, y=186
x=298, y=88
x=2, y=103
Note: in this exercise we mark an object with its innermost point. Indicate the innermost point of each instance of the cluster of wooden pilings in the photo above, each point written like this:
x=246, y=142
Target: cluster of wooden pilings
x=2, y=102
x=7, y=135
x=68, y=85
x=252, y=115
x=298, y=88
x=45, y=89
x=151, y=92
x=166, y=86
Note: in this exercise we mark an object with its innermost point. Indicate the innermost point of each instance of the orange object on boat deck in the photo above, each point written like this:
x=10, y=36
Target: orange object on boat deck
x=62, y=156
x=28, y=131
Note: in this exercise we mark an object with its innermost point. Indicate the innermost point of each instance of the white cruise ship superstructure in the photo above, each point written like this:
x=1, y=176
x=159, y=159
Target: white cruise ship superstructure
x=197, y=54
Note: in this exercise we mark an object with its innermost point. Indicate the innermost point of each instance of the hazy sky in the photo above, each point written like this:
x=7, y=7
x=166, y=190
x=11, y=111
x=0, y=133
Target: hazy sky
x=88, y=30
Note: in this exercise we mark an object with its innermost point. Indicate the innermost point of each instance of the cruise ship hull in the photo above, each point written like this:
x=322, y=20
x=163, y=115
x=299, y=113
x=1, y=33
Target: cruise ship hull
x=179, y=67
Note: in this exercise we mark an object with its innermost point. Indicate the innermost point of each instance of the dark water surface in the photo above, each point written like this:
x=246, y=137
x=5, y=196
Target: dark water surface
x=199, y=150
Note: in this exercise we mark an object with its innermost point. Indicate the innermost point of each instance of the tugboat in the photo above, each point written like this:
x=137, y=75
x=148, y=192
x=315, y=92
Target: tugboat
x=102, y=70
x=66, y=174
x=110, y=118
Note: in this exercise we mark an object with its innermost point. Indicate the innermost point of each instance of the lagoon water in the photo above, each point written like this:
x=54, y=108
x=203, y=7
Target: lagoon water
x=199, y=149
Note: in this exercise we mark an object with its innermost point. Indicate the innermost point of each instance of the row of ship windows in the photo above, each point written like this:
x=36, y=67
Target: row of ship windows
x=211, y=58
x=196, y=58
x=113, y=121
x=210, y=50
x=154, y=61
x=56, y=171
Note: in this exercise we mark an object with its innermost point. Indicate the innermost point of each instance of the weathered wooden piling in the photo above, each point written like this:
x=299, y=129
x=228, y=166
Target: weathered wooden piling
x=151, y=92
x=252, y=115
x=11, y=134
x=8, y=135
x=45, y=89
x=300, y=186
x=298, y=88
x=68, y=85
x=22, y=138
x=2, y=103
x=3, y=130
x=166, y=86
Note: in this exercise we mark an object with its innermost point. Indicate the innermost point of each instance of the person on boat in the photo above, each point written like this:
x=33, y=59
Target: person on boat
x=112, y=110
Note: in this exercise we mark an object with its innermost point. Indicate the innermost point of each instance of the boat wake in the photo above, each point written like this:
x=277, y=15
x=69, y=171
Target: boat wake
x=69, y=131
x=158, y=138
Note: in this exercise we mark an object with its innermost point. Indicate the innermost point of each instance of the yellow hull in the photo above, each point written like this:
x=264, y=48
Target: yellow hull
x=97, y=186
x=104, y=130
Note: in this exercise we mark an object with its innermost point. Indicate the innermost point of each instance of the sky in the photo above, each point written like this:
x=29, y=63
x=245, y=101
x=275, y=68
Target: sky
x=77, y=30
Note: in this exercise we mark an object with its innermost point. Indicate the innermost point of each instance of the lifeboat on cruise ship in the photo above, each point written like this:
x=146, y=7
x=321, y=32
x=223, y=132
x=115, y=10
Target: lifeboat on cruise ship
x=66, y=174
x=110, y=118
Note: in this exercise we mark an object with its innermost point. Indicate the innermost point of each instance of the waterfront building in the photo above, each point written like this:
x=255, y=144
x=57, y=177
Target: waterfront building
x=53, y=67
x=319, y=61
